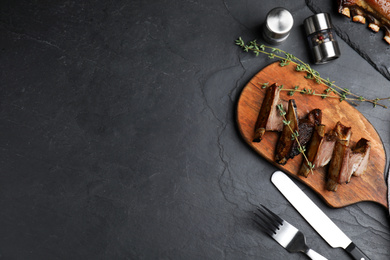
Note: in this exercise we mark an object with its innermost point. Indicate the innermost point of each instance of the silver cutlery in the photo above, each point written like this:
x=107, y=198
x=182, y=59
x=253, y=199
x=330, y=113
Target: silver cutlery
x=284, y=233
x=315, y=216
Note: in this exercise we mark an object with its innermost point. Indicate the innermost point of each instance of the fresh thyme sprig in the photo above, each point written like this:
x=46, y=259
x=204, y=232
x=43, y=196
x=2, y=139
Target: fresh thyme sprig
x=295, y=135
x=287, y=58
x=305, y=91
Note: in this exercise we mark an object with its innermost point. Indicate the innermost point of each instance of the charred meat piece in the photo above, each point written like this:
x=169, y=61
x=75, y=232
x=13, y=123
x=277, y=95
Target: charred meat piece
x=340, y=157
x=358, y=15
x=269, y=118
x=357, y=162
x=373, y=23
x=306, y=129
x=315, y=143
x=353, y=162
x=377, y=12
x=342, y=132
x=315, y=116
x=322, y=146
x=362, y=147
x=286, y=140
x=338, y=164
x=325, y=149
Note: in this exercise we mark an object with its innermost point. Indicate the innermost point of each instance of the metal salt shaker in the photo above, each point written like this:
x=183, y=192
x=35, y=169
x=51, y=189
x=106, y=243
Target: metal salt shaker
x=322, y=38
x=277, y=25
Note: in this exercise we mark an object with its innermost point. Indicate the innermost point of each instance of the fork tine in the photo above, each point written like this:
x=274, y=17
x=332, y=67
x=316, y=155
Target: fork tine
x=265, y=220
x=263, y=227
x=268, y=218
x=280, y=221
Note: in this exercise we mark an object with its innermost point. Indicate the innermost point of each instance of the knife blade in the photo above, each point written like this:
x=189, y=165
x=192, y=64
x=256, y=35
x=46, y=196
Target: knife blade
x=315, y=216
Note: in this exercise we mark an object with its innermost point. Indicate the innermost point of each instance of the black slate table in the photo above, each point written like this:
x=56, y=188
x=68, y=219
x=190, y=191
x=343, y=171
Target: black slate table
x=118, y=137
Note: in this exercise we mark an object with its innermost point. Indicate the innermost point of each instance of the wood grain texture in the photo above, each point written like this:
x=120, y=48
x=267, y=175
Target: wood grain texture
x=369, y=187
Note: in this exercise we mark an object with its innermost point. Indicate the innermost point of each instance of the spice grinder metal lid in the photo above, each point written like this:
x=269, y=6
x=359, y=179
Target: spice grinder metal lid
x=317, y=22
x=278, y=24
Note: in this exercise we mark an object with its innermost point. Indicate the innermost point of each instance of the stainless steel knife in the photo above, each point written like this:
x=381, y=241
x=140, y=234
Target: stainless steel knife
x=314, y=215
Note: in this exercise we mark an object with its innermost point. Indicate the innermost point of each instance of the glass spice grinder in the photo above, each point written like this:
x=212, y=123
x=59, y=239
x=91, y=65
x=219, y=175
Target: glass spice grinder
x=322, y=38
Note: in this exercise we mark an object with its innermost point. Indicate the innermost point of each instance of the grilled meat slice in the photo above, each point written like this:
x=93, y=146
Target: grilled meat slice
x=357, y=161
x=340, y=157
x=325, y=149
x=315, y=116
x=339, y=161
x=362, y=147
x=354, y=161
x=286, y=139
x=315, y=143
x=377, y=13
x=269, y=118
x=306, y=129
x=342, y=132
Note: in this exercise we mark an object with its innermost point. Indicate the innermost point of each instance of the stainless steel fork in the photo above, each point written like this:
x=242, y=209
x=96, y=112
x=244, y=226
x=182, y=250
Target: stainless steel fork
x=284, y=233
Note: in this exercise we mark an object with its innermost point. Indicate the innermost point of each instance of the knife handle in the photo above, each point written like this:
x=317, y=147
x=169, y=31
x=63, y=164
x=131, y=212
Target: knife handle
x=356, y=253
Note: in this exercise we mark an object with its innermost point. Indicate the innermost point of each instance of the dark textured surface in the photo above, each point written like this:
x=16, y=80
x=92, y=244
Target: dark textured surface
x=118, y=137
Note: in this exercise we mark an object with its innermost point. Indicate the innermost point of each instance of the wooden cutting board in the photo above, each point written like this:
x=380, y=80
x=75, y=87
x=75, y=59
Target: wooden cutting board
x=369, y=187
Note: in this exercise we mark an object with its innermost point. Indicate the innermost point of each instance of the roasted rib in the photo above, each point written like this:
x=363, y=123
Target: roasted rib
x=269, y=118
x=357, y=161
x=306, y=129
x=315, y=143
x=363, y=147
x=326, y=147
x=286, y=140
x=377, y=12
x=340, y=157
